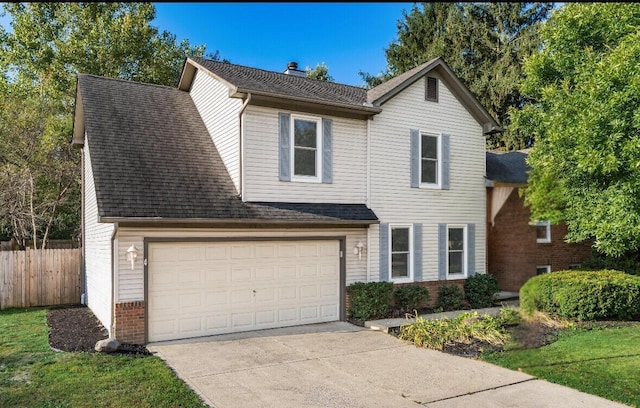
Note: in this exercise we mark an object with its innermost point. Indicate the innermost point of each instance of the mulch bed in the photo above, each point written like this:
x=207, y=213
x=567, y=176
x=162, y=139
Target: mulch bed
x=76, y=329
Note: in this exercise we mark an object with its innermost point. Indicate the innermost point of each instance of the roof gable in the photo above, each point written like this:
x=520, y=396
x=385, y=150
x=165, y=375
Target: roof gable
x=382, y=93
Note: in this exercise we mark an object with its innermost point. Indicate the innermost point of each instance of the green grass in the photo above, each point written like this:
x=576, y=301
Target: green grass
x=31, y=375
x=603, y=362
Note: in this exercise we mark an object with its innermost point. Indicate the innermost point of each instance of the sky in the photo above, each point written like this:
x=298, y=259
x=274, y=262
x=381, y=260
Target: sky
x=347, y=37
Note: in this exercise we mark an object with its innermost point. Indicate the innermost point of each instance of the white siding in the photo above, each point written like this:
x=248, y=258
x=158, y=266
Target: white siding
x=261, y=162
x=130, y=283
x=220, y=116
x=392, y=198
x=97, y=251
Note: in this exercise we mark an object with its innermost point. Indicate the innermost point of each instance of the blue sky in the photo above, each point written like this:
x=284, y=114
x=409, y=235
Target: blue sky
x=347, y=37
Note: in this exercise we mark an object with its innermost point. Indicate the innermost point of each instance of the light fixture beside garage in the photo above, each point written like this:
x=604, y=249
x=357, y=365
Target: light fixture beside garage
x=132, y=254
x=357, y=250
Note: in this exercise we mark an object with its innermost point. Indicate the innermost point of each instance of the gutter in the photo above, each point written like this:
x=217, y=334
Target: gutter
x=241, y=153
x=237, y=221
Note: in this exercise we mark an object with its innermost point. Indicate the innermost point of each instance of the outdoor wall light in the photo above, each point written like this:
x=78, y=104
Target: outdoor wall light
x=132, y=253
x=357, y=250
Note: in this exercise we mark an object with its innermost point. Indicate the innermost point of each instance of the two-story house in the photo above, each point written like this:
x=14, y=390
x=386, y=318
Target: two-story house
x=246, y=199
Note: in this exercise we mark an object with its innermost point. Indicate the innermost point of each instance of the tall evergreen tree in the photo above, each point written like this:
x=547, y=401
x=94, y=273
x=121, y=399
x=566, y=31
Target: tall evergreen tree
x=483, y=43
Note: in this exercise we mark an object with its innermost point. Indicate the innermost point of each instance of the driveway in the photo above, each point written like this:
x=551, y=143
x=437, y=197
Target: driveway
x=342, y=365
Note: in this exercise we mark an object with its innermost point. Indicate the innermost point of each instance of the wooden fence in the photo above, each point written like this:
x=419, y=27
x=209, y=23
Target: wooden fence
x=40, y=277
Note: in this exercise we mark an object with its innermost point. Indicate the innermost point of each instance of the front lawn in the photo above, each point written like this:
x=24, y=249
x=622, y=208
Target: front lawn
x=32, y=375
x=601, y=361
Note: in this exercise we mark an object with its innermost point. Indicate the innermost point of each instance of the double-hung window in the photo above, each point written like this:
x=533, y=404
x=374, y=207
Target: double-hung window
x=401, y=256
x=456, y=251
x=429, y=158
x=306, y=154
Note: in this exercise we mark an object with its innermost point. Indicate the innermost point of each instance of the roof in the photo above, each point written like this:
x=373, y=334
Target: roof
x=387, y=90
x=242, y=80
x=508, y=167
x=153, y=159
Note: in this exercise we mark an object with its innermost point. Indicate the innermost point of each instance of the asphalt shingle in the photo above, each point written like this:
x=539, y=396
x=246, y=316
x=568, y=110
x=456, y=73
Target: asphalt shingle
x=508, y=167
x=152, y=157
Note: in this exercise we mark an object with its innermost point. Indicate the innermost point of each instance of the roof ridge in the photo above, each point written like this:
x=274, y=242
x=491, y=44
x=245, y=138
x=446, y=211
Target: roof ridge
x=128, y=81
x=279, y=73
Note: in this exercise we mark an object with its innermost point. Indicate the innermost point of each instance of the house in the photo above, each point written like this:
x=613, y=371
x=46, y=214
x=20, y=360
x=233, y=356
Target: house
x=517, y=248
x=247, y=199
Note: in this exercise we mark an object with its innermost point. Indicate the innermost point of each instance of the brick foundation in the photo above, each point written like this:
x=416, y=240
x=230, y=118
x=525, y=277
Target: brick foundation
x=129, y=322
x=513, y=252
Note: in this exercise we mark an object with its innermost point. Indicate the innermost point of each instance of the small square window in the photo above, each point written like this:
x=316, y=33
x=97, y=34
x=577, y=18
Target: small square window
x=543, y=269
x=431, y=91
x=543, y=231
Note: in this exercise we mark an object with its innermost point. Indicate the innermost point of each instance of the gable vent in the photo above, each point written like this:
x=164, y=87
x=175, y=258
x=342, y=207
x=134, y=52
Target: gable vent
x=431, y=91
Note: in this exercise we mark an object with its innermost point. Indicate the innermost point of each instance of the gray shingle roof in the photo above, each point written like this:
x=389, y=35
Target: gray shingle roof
x=275, y=83
x=508, y=167
x=152, y=157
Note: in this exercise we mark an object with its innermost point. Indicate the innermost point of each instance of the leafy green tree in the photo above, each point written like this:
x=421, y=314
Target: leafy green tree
x=585, y=164
x=483, y=43
x=321, y=72
x=39, y=59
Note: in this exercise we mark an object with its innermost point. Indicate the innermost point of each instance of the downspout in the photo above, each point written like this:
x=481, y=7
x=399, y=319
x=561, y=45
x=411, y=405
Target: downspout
x=241, y=145
x=83, y=296
x=368, y=198
x=114, y=257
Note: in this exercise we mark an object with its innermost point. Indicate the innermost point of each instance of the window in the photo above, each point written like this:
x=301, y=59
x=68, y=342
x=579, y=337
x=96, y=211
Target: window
x=429, y=148
x=456, y=254
x=401, y=244
x=307, y=148
x=543, y=231
x=431, y=89
x=543, y=269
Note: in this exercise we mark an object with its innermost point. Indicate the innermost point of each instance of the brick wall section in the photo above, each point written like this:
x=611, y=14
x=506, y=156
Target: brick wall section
x=432, y=287
x=513, y=252
x=130, y=322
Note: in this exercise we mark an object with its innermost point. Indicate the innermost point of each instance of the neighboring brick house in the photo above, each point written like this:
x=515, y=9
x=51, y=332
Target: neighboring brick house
x=517, y=248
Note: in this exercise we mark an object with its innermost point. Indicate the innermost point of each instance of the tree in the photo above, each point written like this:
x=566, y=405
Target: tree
x=483, y=43
x=321, y=72
x=585, y=164
x=50, y=43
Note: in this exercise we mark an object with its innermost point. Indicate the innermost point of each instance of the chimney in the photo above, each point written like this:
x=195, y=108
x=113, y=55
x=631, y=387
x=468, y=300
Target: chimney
x=292, y=69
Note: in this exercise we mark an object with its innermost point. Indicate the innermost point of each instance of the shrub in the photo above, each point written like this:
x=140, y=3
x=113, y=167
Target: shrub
x=411, y=297
x=450, y=297
x=479, y=290
x=436, y=334
x=370, y=300
x=583, y=295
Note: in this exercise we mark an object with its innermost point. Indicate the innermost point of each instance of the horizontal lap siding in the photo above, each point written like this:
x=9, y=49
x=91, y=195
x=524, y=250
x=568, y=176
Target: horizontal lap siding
x=393, y=199
x=261, y=172
x=97, y=251
x=130, y=283
x=220, y=116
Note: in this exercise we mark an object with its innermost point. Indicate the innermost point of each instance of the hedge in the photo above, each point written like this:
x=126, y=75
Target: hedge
x=583, y=295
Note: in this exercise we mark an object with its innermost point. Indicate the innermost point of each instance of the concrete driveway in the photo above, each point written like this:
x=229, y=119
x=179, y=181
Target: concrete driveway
x=342, y=365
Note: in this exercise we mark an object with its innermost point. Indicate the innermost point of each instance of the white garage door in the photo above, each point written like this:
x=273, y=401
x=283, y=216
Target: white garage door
x=206, y=288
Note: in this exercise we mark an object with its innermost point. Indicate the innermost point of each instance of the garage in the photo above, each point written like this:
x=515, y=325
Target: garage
x=214, y=287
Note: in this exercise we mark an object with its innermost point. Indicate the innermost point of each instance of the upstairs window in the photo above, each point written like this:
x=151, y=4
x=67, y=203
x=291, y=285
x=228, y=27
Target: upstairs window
x=306, y=143
x=543, y=232
x=429, y=158
x=431, y=89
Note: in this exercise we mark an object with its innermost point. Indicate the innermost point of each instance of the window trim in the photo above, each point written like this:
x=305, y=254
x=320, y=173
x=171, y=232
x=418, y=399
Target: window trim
x=547, y=238
x=438, y=183
x=319, y=149
x=465, y=252
x=546, y=267
x=409, y=278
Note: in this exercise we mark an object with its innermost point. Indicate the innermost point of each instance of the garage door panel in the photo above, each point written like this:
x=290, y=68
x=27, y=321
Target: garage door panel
x=238, y=286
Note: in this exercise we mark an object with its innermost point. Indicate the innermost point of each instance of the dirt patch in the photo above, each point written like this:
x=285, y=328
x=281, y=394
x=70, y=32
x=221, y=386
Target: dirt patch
x=76, y=329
